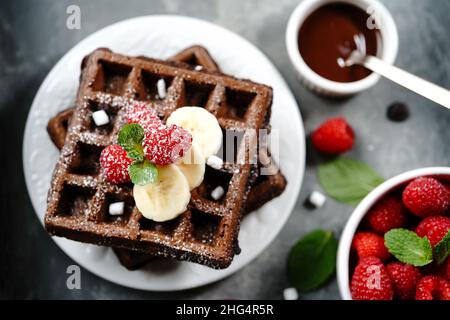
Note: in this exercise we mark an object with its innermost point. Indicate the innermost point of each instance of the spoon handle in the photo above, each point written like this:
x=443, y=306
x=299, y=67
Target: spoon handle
x=418, y=85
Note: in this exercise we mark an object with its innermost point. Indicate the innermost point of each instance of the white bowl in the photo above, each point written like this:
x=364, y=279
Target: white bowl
x=345, y=242
x=321, y=85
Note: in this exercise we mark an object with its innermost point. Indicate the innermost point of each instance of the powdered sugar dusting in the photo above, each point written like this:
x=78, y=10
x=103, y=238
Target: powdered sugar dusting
x=180, y=243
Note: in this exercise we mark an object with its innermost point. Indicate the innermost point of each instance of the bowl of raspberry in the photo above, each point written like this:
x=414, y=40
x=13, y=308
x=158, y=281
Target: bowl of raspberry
x=396, y=244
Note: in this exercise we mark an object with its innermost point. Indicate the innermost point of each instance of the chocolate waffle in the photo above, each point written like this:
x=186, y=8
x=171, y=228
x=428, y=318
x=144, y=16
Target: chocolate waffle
x=265, y=189
x=79, y=195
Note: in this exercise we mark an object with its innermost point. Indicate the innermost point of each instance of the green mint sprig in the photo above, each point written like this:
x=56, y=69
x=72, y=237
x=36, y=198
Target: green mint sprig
x=141, y=171
x=312, y=260
x=130, y=138
x=347, y=180
x=408, y=247
x=442, y=249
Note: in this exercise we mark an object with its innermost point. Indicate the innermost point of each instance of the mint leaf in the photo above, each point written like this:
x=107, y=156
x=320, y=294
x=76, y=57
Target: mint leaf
x=312, y=260
x=408, y=247
x=442, y=249
x=130, y=138
x=143, y=172
x=347, y=180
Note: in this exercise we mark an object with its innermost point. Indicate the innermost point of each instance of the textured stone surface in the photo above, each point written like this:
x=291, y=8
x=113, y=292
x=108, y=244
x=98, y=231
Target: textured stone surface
x=33, y=37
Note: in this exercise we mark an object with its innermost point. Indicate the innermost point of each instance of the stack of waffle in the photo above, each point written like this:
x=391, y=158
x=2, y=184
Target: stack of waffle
x=79, y=196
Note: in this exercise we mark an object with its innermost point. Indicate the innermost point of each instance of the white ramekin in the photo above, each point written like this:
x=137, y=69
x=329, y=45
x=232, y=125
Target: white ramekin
x=343, y=254
x=321, y=85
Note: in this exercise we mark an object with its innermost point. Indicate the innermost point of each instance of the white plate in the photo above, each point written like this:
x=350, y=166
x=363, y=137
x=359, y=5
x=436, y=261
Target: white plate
x=161, y=37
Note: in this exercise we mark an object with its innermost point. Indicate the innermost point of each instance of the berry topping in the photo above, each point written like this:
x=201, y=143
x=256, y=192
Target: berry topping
x=368, y=244
x=434, y=228
x=426, y=197
x=115, y=163
x=142, y=115
x=371, y=281
x=433, y=288
x=164, y=145
x=404, y=278
x=387, y=214
x=334, y=136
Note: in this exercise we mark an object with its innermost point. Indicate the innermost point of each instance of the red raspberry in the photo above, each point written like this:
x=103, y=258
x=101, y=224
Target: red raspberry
x=368, y=244
x=335, y=136
x=371, y=281
x=164, y=145
x=115, y=163
x=433, y=288
x=143, y=115
x=426, y=197
x=388, y=213
x=404, y=278
x=434, y=228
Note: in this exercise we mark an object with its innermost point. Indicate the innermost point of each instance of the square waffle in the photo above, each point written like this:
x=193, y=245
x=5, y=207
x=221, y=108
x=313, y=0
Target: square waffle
x=79, y=195
x=266, y=187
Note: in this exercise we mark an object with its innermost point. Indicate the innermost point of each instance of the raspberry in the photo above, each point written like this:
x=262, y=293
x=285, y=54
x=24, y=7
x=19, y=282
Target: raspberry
x=426, y=197
x=141, y=114
x=404, y=278
x=115, y=163
x=334, y=136
x=368, y=244
x=164, y=145
x=434, y=228
x=371, y=281
x=433, y=288
x=389, y=213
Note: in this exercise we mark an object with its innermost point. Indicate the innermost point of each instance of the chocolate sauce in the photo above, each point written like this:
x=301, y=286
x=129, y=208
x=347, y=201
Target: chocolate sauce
x=329, y=34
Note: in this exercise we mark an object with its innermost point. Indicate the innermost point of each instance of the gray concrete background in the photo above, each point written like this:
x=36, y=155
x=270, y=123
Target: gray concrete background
x=33, y=37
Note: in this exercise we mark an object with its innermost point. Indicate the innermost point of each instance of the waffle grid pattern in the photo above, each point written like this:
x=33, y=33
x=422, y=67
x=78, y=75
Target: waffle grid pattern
x=79, y=196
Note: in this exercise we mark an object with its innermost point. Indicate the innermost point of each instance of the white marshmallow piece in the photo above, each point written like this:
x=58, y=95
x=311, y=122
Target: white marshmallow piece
x=100, y=118
x=217, y=193
x=198, y=68
x=317, y=199
x=215, y=162
x=116, y=208
x=161, y=86
x=290, y=294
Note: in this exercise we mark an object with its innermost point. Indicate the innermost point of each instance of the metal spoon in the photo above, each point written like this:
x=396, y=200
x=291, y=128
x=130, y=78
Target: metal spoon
x=418, y=85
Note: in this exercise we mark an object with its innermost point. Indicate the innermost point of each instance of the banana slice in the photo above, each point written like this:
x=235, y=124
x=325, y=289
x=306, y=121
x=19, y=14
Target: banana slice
x=203, y=126
x=166, y=198
x=193, y=167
